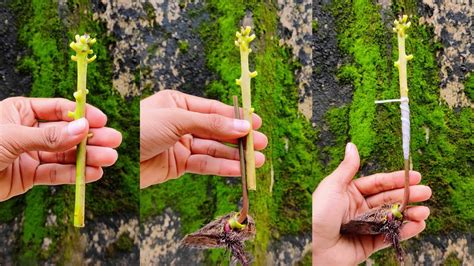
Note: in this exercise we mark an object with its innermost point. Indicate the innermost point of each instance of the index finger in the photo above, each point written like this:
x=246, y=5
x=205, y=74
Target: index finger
x=203, y=105
x=56, y=109
x=373, y=184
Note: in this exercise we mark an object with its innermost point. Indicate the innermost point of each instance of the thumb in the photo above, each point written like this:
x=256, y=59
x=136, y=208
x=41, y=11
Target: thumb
x=19, y=139
x=348, y=168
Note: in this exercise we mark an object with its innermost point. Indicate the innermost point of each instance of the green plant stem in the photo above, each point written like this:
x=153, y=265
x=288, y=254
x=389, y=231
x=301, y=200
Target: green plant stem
x=243, y=40
x=82, y=48
x=400, y=26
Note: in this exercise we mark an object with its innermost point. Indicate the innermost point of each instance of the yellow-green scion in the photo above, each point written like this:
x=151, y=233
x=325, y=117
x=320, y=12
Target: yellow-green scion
x=401, y=25
x=82, y=46
x=243, y=41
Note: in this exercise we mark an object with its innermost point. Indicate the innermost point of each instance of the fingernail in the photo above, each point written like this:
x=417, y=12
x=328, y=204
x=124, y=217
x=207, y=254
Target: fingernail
x=76, y=127
x=348, y=147
x=241, y=125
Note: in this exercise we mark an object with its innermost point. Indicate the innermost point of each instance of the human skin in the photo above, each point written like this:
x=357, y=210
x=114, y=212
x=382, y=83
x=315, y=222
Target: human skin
x=38, y=144
x=339, y=198
x=181, y=133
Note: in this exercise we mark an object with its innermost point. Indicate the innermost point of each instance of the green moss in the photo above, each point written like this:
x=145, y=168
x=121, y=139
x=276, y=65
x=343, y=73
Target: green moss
x=452, y=260
x=469, y=86
x=124, y=243
x=314, y=26
x=150, y=11
x=183, y=46
x=306, y=260
x=10, y=209
x=359, y=32
x=338, y=122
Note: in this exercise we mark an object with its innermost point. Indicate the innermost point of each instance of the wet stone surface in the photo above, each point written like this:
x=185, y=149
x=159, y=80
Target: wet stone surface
x=328, y=92
x=12, y=81
x=294, y=31
x=123, y=22
x=289, y=250
x=453, y=27
x=158, y=45
x=112, y=241
x=434, y=250
x=9, y=234
x=160, y=243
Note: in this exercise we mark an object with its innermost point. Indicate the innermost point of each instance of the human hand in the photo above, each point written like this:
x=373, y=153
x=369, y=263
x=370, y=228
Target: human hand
x=339, y=198
x=38, y=144
x=182, y=133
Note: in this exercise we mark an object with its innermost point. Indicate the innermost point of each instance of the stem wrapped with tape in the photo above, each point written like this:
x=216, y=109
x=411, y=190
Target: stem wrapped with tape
x=401, y=25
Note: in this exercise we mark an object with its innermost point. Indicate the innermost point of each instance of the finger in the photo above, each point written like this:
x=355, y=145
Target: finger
x=199, y=105
x=47, y=138
x=103, y=136
x=418, y=193
x=96, y=156
x=369, y=185
x=59, y=174
x=348, y=168
x=207, y=126
x=56, y=109
x=207, y=165
x=214, y=149
x=417, y=213
x=260, y=140
x=408, y=231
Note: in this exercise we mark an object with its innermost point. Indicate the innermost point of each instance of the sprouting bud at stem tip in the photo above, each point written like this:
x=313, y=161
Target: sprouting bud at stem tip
x=90, y=60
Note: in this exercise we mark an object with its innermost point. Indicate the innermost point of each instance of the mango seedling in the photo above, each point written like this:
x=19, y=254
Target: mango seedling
x=388, y=219
x=82, y=47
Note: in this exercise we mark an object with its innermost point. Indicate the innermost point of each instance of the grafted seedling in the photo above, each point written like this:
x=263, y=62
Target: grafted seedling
x=243, y=42
x=400, y=27
x=232, y=230
x=82, y=47
x=388, y=219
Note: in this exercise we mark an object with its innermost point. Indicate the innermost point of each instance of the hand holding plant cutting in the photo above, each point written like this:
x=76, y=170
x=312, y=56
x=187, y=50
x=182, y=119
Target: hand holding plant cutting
x=388, y=220
x=339, y=198
x=82, y=47
x=38, y=144
x=183, y=133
